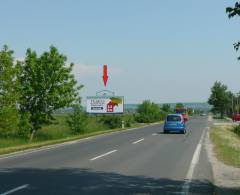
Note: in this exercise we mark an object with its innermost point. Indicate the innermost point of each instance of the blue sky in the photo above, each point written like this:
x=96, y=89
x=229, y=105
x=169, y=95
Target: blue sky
x=165, y=51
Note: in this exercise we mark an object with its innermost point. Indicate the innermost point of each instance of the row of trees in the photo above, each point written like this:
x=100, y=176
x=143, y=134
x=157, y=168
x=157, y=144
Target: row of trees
x=224, y=102
x=148, y=112
x=32, y=89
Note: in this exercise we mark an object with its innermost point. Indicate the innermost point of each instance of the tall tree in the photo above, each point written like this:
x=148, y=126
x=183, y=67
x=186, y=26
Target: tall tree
x=47, y=84
x=8, y=95
x=77, y=120
x=179, y=105
x=219, y=98
x=166, y=108
x=232, y=12
x=148, y=112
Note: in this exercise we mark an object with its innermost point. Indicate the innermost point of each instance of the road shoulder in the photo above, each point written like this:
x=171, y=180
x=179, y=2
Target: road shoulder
x=68, y=141
x=226, y=178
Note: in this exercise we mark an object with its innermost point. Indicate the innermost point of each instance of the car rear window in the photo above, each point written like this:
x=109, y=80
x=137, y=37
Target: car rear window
x=173, y=118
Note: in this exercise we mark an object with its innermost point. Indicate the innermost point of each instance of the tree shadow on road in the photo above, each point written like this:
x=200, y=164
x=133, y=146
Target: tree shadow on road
x=86, y=181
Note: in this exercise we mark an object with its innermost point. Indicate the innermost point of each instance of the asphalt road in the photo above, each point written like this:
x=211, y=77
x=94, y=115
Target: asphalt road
x=140, y=161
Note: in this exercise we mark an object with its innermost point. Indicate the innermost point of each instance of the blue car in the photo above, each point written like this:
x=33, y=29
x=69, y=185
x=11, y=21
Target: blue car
x=174, y=123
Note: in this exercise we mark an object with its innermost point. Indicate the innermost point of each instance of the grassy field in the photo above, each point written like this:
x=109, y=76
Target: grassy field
x=57, y=132
x=226, y=144
x=60, y=129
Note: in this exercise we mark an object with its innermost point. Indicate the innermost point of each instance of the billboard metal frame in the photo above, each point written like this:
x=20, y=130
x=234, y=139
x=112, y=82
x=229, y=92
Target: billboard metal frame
x=105, y=96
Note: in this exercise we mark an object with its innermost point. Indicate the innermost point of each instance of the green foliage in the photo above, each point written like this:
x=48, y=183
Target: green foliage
x=8, y=121
x=128, y=119
x=220, y=98
x=24, y=126
x=112, y=121
x=237, y=130
x=235, y=106
x=166, y=108
x=226, y=144
x=148, y=112
x=46, y=85
x=190, y=111
x=179, y=105
x=234, y=11
x=8, y=93
x=78, y=120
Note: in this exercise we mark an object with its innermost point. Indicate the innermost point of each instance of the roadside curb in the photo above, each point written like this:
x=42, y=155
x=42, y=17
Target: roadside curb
x=49, y=146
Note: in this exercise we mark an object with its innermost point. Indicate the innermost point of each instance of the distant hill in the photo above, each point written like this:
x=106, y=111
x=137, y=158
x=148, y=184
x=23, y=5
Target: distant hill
x=203, y=106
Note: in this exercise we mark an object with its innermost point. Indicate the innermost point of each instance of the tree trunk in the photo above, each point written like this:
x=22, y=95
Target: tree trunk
x=32, y=135
x=222, y=112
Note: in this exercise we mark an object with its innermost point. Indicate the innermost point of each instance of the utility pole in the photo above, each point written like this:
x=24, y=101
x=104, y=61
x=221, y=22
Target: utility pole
x=238, y=109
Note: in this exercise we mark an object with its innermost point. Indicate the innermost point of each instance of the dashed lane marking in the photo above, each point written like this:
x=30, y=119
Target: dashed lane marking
x=138, y=141
x=15, y=189
x=102, y=155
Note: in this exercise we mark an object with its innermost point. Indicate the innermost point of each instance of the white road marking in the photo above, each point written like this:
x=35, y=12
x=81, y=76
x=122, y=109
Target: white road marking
x=15, y=189
x=54, y=146
x=43, y=148
x=154, y=134
x=100, y=156
x=138, y=141
x=194, y=162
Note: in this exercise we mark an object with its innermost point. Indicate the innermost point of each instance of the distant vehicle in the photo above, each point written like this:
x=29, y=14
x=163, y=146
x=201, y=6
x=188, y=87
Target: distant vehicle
x=183, y=112
x=236, y=117
x=174, y=123
x=203, y=114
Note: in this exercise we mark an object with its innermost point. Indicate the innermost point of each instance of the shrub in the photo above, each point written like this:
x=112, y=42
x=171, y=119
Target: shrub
x=163, y=115
x=112, y=121
x=166, y=108
x=129, y=120
x=24, y=126
x=237, y=130
x=78, y=120
x=8, y=121
x=148, y=112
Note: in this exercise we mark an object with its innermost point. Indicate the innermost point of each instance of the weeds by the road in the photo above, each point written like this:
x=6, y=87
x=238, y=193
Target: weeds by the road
x=226, y=144
x=57, y=132
x=10, y=145
x=237, y=130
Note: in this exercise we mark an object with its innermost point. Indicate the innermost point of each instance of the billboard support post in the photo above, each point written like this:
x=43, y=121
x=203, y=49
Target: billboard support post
x=123, y=124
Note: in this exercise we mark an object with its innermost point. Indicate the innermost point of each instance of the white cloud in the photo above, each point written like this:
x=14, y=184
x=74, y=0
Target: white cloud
x=84, y=70
x=21, y=59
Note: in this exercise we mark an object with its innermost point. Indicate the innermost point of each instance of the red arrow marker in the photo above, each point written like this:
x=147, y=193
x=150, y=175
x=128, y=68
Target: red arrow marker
x=105, y=74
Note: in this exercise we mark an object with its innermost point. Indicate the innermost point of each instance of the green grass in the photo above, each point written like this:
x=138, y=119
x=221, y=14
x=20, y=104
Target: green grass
x=60, y=129
x=8, y=142
x=57, y=132
x=226, y=145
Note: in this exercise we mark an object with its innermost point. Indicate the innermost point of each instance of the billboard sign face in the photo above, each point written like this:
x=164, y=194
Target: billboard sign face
x=105, y=104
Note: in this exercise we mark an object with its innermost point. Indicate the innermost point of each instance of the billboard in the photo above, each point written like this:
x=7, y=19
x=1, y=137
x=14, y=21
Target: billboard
x=105, y=104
